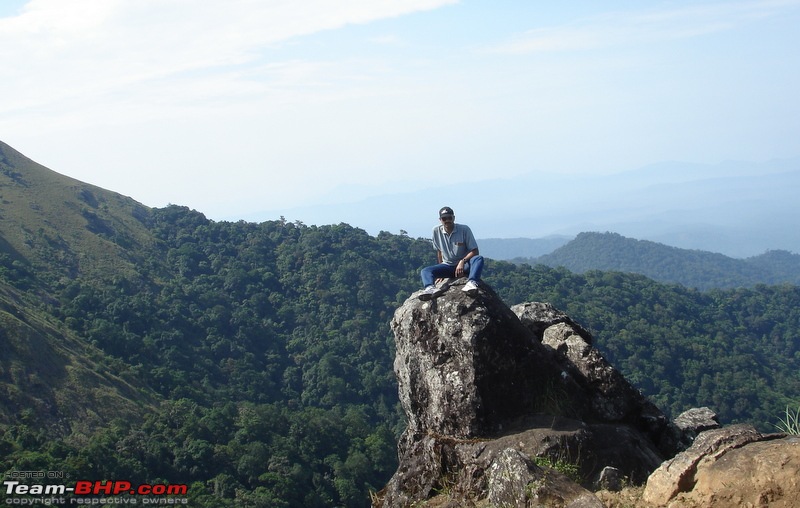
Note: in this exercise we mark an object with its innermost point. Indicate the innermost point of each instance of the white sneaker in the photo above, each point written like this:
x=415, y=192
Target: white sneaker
x=430, y=292
x=471, y=287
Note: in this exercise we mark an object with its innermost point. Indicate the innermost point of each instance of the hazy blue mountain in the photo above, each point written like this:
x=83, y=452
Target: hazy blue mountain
x=510, y=248
x=738, y=209
x=691, y=268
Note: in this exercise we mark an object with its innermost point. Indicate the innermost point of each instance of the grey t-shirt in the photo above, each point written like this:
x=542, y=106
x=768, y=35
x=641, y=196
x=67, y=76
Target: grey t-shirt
x=456, y=245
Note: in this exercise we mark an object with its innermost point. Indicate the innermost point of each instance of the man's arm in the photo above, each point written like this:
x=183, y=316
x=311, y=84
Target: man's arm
x=471, y=254
x=460, y=266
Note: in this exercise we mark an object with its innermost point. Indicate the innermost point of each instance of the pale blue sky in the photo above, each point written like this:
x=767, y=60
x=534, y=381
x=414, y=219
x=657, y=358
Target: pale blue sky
x=10, y=7
x=238, y=107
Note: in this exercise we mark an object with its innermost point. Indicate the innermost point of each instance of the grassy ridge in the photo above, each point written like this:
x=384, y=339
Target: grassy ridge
x=59, y=226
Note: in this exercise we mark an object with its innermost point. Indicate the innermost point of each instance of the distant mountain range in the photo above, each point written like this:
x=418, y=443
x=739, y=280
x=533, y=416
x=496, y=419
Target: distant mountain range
x=691, y=268
x=739, y=209
x=511, y=248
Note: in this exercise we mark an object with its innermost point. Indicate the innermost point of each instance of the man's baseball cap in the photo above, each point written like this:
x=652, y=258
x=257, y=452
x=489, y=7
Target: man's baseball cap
x=446, y=211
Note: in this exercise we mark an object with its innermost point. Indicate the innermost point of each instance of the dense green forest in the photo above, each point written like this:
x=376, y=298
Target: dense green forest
x=269, y=350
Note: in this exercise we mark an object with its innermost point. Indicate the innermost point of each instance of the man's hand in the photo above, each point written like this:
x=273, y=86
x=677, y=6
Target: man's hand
x=460, y=269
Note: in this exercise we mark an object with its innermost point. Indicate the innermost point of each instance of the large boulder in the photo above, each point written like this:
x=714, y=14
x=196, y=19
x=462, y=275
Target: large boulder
x=730, y=466
x=465, y=366
x=485, y=397
x=763, y=473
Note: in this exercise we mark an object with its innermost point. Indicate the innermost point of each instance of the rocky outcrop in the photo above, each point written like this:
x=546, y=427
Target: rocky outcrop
x=514, y=407
x=492, y=394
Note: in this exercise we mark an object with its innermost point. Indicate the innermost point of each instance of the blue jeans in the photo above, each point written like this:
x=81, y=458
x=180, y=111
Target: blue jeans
x=430, y=273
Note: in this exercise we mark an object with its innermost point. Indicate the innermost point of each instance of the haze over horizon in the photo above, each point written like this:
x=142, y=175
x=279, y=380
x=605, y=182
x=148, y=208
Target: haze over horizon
x=247, y=110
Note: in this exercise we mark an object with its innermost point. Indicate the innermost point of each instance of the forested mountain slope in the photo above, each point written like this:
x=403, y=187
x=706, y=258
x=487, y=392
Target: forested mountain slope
x=253, y=362
x=691, y=268
x=55, y=231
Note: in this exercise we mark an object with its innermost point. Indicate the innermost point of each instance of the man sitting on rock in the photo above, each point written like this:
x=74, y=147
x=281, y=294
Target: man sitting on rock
x=457, y=253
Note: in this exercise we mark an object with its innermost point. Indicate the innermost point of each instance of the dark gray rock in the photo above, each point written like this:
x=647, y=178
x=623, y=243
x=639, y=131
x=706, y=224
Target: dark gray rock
x=612, y=397
x=539, y=316
x=466, y=365
x=694, y=421
x=610, y=478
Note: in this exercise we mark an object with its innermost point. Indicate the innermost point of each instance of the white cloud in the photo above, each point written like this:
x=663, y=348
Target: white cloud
x=67, y=56
x=196, y=83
